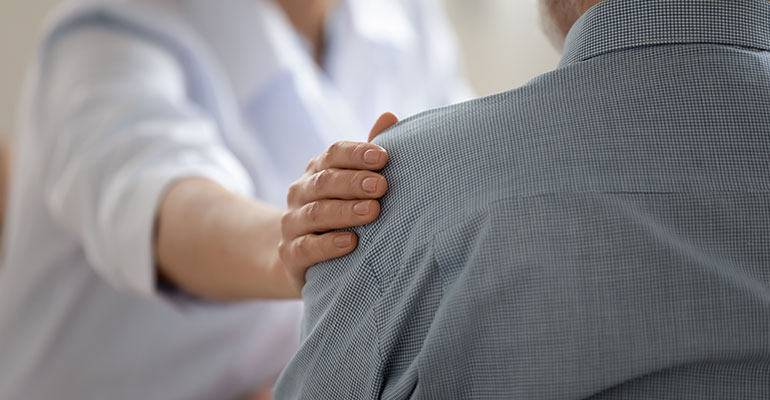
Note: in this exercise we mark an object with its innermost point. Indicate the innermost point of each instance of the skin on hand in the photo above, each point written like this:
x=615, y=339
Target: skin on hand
x=262, y=394
x=338, y=190
x=217, y=245
x=220, y=246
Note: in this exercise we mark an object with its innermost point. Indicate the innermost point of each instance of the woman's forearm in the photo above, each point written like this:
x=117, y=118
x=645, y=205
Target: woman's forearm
x=219, y=246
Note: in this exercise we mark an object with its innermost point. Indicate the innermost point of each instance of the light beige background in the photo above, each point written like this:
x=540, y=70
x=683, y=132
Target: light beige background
x=20, y=22
x=501, y=42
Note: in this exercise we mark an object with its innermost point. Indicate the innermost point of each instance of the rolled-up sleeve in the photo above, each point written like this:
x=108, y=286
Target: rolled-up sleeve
x=118, y=128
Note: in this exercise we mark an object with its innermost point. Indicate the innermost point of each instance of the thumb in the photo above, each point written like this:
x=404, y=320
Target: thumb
x=385, y=121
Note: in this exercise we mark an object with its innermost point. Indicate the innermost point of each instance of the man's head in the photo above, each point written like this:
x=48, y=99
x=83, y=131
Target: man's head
x=558, y=16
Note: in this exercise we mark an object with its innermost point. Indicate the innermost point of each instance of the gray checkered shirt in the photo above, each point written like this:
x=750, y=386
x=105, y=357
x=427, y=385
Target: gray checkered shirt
x=602, y=231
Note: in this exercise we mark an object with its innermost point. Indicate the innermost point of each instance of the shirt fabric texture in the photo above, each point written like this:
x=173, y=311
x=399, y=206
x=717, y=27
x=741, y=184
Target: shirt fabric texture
x=129, y=96
x=600, y=232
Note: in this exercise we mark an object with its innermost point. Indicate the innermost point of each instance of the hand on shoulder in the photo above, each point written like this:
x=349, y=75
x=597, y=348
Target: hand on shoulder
x=338, y=190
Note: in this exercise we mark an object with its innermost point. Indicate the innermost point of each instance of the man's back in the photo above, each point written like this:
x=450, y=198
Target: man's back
x=602, y=231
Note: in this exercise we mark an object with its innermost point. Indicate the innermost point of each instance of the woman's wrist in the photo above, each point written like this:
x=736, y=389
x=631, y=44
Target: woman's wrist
x=280, y=283
x=219, y=246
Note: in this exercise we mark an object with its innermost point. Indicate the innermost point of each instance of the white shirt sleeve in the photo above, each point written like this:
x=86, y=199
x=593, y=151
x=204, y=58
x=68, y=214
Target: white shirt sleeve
x=119, y=128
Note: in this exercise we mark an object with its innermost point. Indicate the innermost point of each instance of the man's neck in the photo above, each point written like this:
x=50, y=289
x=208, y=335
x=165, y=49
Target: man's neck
x=584, y=5
x=558, y=16
x=307, y=17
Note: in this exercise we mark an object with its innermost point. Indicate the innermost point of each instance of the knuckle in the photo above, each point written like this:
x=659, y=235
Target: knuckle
x=286, y=219
x=359, y=150
x=331, y=151
x=311, y=164
x=293, y=193
x=320, y=180
x=284, y=250
x=303, y=245
x=335, y=147
x=313, y=211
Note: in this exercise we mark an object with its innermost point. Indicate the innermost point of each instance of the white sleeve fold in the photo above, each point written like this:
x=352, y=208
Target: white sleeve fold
x=118, y=128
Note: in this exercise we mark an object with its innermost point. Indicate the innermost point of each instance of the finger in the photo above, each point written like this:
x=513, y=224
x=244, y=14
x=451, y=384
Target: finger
x=350, y=155
x=308, y=250
x=337, y=184
x=384, y=122
x=327, y=215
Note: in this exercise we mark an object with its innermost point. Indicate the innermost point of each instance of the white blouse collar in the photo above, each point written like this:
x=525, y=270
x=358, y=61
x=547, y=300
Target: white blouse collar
x=261, y=44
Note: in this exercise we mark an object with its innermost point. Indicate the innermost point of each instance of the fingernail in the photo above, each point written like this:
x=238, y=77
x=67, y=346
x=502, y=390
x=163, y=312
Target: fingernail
x=372, y=156
x=343, y=241
x=361, y=208
x=369, y=185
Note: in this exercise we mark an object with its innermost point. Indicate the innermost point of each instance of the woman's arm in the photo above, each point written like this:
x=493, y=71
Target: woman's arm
x=116, y=130
x=221, y=246
x=141, y=180
x=218, y=245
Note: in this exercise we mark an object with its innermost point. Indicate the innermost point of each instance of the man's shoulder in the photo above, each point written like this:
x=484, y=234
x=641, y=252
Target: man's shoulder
x=448, y=139
x=506, y=123
x=477, y=152
x=448, y=125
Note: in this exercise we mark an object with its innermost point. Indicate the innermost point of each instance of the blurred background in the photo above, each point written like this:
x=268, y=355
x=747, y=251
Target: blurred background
x=501, y=43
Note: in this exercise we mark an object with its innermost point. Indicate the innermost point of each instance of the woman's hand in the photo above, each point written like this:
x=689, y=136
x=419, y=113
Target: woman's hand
x=339, y=190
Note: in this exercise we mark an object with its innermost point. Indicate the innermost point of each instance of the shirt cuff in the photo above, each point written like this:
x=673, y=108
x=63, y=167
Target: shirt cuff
x=133, y=252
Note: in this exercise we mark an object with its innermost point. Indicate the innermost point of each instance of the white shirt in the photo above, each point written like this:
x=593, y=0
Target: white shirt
x=129, y=96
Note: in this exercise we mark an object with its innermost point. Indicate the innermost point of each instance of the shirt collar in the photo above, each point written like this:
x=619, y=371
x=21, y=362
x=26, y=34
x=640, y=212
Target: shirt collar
x=272, y=46
x=621, y=24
